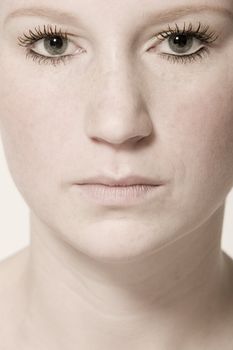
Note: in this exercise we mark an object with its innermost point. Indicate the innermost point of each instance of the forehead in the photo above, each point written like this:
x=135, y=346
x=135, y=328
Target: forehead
x=112, y=6
x=104, y=15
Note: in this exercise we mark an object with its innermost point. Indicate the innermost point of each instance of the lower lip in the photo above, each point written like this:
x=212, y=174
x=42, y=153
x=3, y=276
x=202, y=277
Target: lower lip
x=118, y=195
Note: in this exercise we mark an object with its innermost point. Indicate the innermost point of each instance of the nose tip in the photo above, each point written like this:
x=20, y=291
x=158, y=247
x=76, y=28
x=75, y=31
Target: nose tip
x=118, y=126
x=118, y=141
x=120, y=114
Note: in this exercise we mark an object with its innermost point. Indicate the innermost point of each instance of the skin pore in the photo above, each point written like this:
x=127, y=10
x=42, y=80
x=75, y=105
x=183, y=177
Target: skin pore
x=146, y=276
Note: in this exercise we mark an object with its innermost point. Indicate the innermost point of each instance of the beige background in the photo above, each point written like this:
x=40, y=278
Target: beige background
x=14, y=216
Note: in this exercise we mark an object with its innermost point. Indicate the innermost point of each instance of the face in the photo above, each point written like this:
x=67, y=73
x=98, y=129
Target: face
x=120, y=89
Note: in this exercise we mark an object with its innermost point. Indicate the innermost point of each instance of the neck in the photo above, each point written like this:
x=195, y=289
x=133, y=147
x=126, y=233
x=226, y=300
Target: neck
x=109, y=300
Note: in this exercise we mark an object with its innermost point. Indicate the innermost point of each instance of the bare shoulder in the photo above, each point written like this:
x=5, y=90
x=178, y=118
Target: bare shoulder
x=12, y=272
x=12, y=268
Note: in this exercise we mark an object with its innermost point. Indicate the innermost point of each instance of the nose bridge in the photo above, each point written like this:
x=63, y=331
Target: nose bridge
x=116, y=111
x=118, y=86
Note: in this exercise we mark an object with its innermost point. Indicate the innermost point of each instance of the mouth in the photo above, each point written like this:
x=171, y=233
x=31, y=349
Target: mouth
x=121, y=182
x=118, y=195
x=126, y=191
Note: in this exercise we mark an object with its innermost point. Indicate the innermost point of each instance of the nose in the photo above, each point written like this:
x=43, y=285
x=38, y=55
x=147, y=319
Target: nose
x=117, y=112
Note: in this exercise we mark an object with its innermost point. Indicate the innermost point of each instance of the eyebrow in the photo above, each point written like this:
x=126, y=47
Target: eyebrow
x=160, y=17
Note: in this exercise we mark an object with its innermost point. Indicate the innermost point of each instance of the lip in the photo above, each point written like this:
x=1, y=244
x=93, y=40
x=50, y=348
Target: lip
x=124, y=181
x=127, y=191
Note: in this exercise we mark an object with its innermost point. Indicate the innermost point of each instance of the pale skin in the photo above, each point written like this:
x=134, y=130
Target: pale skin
x=151, y=276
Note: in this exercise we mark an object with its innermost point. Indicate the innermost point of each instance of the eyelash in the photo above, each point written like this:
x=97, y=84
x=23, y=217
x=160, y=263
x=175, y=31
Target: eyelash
x=199, y=33
x=27, y=40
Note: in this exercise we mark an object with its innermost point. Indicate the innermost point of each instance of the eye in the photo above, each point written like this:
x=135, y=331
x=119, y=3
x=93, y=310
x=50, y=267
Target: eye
x=54, y=46
x=181, y=44
x=175, y=44
x=49, y=45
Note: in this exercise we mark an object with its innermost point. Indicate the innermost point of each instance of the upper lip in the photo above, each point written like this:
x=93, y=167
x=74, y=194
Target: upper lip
x=124, y=181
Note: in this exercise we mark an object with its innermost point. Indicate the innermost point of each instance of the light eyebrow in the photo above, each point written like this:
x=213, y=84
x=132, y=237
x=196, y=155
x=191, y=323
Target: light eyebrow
x=44, y=12
x=181, y=11
x=159, y=17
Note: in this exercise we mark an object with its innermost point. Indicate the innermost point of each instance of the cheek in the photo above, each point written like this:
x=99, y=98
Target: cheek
x=30, y=130
x=42, y=135
x=201, y=137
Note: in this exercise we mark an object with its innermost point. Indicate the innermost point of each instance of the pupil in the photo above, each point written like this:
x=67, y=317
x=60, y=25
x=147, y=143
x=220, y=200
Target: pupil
x=56, y=42
x=181, y=40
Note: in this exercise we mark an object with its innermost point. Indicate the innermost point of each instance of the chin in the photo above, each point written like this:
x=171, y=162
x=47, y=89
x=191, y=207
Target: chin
x=118, y=243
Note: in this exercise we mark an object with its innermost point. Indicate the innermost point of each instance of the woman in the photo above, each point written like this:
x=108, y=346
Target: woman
x=116, y=119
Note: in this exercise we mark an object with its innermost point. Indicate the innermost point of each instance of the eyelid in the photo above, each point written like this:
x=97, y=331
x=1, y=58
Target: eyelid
x=203, y=33
x=40, y=42
x=35, y=38
x=31, y=40
x=195, y=47
x=36, y=34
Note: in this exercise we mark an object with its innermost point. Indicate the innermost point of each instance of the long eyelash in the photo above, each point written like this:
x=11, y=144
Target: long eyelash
x=27, y=40
x=200, y=33
x=47, y=60
x=198, y=55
